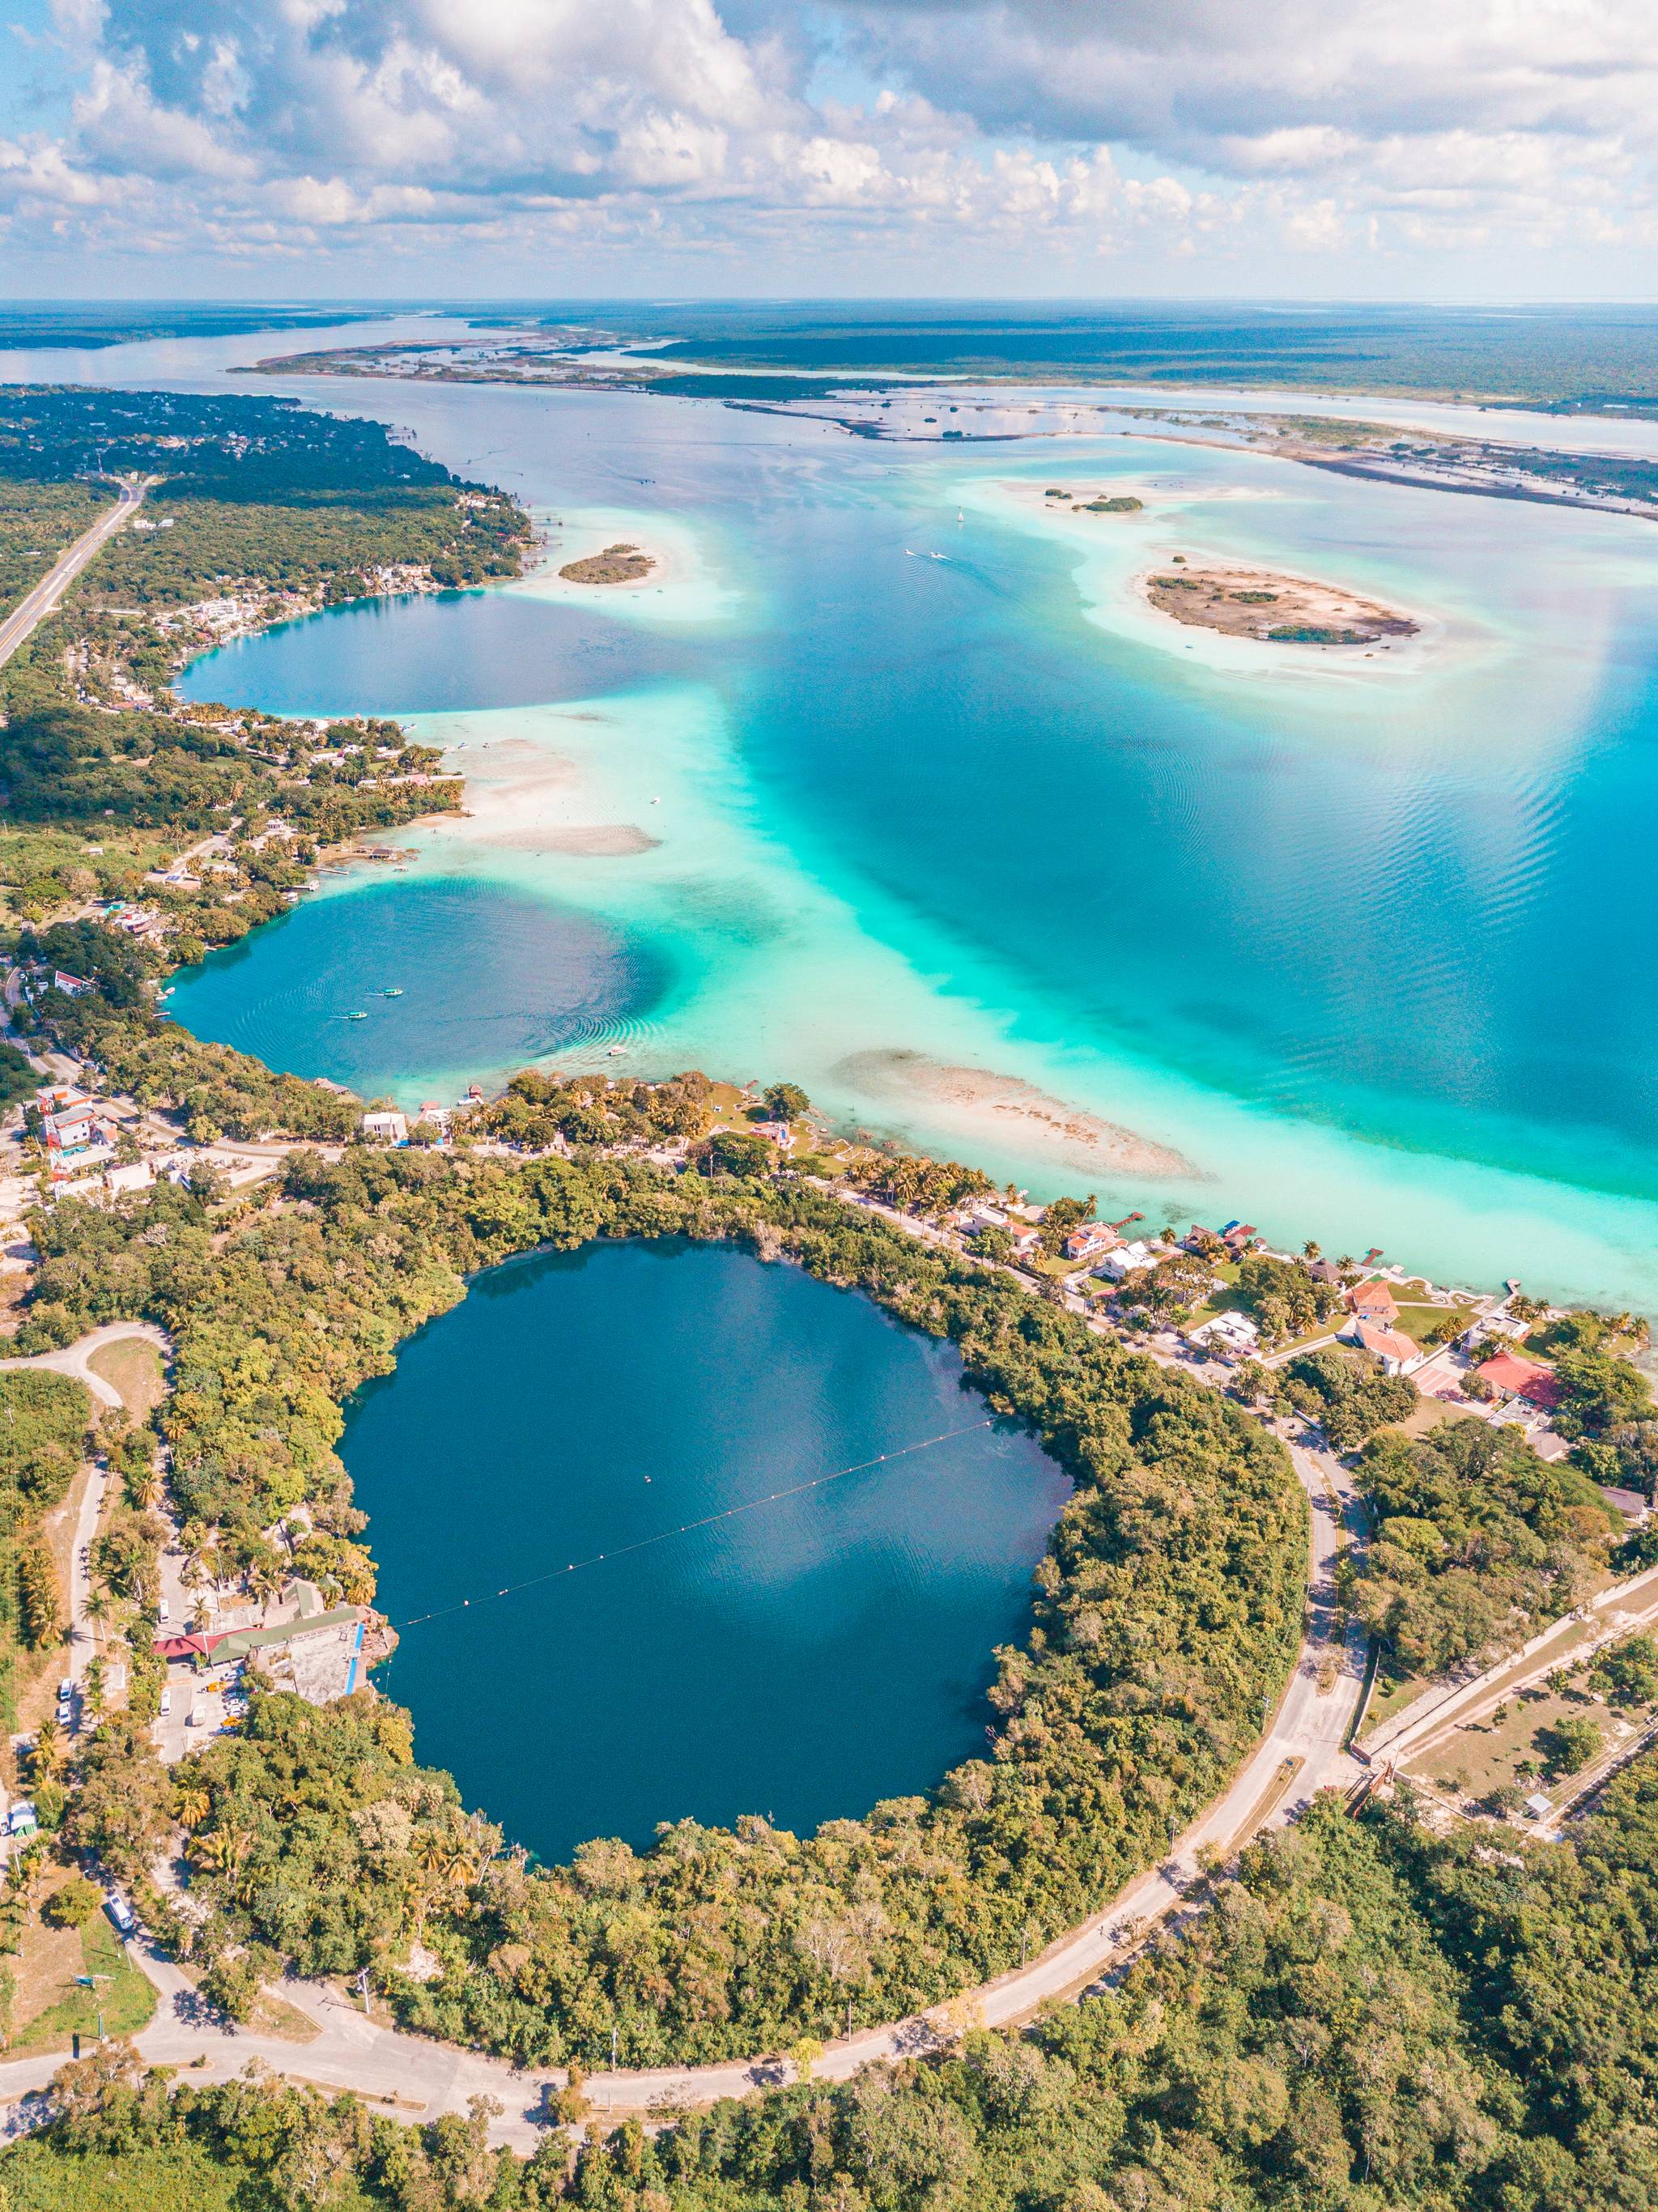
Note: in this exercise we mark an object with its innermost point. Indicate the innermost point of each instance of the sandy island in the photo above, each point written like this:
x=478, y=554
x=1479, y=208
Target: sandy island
x=616, y=564
x=1280, y=610
x=981, y=1095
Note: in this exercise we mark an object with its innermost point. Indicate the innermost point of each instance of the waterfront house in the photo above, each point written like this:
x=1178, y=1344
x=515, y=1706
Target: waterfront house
x=776, y=1133
x=1127, y=1259
x=1238, y=1235
x=391, y=1127
x=1088, y=1239
x=1374, y=1301
x=979, y=1215
x=1396, y=1352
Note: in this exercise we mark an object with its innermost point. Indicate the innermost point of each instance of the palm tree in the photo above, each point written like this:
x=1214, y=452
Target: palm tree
x=194, y=1806
x=1312, y=1250
x=265, y=1580
x=48, y=1753
x=98, y=1607
x=146, y=1488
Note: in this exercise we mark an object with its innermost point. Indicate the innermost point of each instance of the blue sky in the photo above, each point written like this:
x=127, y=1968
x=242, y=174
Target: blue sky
x=1384, y=148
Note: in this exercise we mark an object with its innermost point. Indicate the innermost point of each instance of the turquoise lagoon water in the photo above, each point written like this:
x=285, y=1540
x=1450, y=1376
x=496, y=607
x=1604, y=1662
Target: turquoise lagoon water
x=1360, y=945
x=802, y=1659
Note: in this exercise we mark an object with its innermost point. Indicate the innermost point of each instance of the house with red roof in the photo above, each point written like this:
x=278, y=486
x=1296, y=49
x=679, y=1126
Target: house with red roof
x=1398, y=1354
x=1516, y=1377
x=1373, y=1302
x=1088, y=1239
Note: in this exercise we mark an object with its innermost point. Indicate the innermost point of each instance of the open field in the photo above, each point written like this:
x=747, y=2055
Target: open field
x=135, y=1369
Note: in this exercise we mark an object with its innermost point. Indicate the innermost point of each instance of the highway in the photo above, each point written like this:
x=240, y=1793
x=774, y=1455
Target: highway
x=33, y=610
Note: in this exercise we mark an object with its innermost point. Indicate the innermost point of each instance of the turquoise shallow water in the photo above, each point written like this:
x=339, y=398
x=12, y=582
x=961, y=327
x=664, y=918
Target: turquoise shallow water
x=803, y=1659
x=1353, y=944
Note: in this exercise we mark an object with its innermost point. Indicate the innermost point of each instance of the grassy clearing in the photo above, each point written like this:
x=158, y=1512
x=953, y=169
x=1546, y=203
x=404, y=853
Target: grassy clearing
x=1418, y=1322
x=135, y=1369
x=1492, y=1753
x=58, y=2007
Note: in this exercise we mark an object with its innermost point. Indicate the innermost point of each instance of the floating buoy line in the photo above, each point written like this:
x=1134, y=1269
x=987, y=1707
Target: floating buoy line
x=688, y=1528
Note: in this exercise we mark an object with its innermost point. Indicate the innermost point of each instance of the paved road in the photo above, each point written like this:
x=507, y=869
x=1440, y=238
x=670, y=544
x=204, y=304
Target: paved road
x=75, y=1359
x=39, y=603
x=1300, y=1754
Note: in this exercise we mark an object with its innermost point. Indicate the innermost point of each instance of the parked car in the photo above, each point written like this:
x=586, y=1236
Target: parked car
x=166, y=1703
x=120, y=1912
x=163, y=1610
x=21, y=1821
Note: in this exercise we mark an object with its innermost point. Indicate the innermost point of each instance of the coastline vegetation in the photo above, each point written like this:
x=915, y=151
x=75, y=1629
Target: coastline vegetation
x=258, y=510
x=1166, y=1614
x=1367, y=2015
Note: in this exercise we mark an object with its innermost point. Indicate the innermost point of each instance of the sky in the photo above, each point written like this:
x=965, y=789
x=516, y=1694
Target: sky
x=455, y=149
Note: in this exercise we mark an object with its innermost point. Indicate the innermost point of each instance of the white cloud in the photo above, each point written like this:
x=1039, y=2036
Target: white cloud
x=1037, y=131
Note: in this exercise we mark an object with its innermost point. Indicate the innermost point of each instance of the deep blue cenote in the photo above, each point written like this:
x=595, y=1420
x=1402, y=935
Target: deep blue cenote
x=801, y=1658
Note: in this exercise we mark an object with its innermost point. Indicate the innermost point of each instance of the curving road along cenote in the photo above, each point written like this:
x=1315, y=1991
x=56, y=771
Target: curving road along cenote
x=1301, y=1752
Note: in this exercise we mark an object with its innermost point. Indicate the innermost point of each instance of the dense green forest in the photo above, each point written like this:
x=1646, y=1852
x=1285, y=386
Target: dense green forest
x=1477, y=1541
x=1366, y=2017
x=44, y=1419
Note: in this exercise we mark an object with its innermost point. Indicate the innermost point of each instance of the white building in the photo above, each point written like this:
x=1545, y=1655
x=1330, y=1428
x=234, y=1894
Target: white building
x=1229, y=1332
x=392, y=1128
x=1127, y=1259
x=138, y=1176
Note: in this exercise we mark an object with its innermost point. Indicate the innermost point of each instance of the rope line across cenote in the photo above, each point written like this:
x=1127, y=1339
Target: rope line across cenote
x=686, y=1528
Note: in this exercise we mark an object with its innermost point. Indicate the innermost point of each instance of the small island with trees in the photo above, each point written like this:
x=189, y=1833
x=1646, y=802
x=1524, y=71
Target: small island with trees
x=616, y=564
x=1276, y=609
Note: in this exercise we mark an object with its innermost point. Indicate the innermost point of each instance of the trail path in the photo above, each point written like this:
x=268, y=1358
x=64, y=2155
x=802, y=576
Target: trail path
x=32, y=609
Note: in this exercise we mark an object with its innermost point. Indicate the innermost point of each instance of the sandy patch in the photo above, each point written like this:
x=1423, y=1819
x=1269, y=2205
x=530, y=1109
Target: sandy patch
x=991, y=1101
x=597, y=841
x=1278, y=609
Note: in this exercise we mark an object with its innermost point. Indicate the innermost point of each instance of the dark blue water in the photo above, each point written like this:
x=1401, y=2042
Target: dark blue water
x=427, y=653
x=489, y=979
x=802, y=1659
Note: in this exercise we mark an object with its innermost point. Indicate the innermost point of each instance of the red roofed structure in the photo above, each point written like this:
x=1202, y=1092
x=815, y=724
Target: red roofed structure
x=1523, y=1378
x=1375, y=1300
x=1398, y=1354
